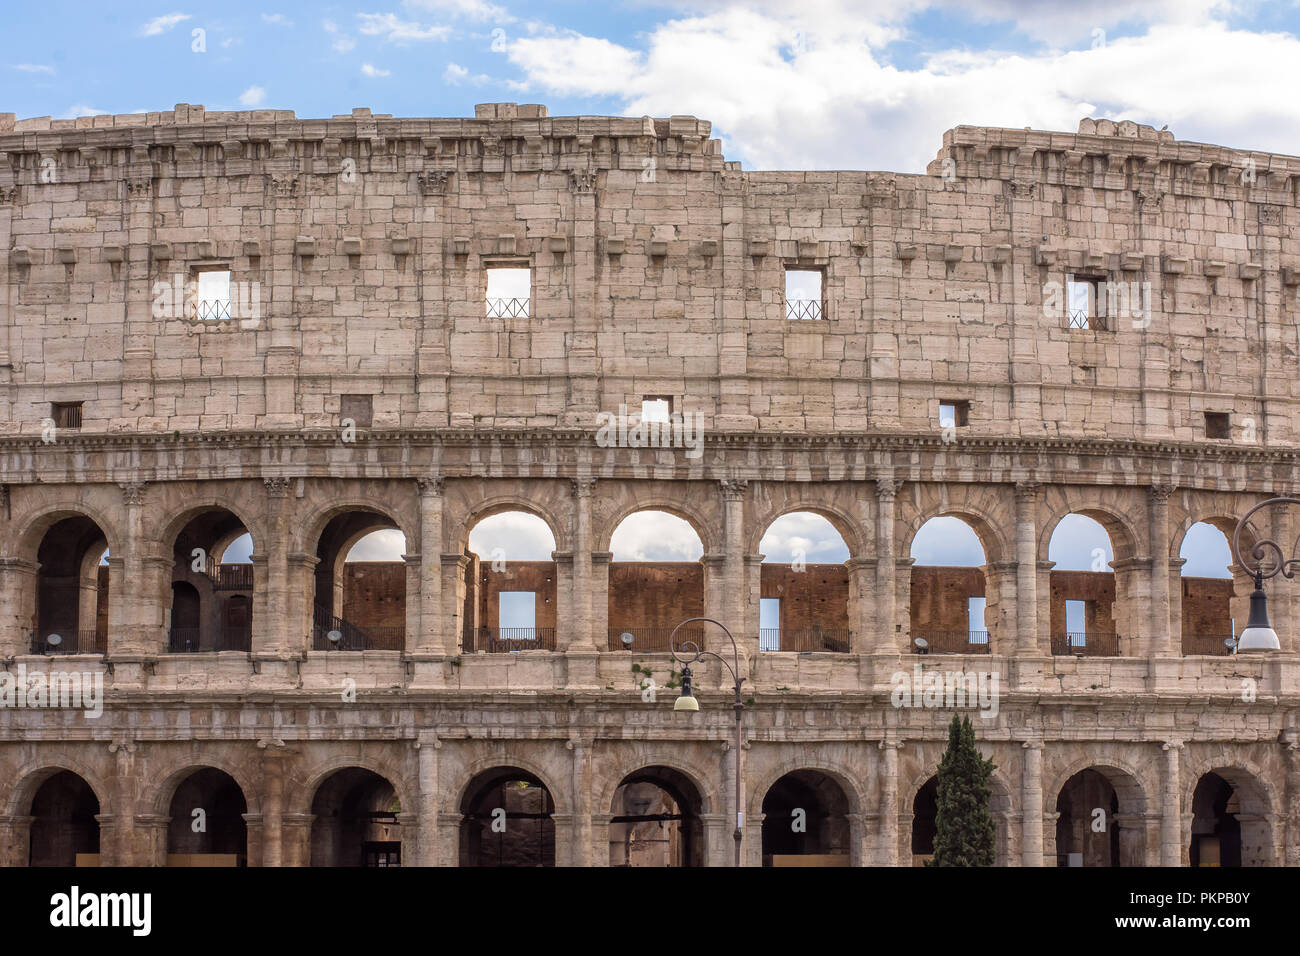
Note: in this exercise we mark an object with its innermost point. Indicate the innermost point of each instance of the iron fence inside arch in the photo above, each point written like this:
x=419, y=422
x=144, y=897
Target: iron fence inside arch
x=507, y=308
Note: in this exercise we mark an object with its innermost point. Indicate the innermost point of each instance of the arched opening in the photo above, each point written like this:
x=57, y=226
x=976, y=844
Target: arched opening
x=207, y=826
x=804, y=602
x=507, y=819
x=1230, y=825
x=64, y=829
x=355, y=821
x=806, y=821
x=656, y=581
x=1083, y=590
x=925, y=827
x=511, y=585
x=1100, y=820
x=656, y=820
x=360, y=598
x=71, y=612
x=949, y=589
x=212, y=585
x=1209, y=625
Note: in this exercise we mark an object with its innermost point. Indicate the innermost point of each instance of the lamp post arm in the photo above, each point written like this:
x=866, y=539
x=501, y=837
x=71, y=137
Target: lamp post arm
x=1264, y=547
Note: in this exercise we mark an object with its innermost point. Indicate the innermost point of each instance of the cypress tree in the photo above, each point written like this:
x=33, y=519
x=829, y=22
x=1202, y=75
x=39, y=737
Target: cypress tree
x=965, y=834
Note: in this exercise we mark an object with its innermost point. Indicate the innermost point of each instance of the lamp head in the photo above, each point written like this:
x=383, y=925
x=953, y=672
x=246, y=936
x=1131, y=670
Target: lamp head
x=1259, y=636
x=686, y=700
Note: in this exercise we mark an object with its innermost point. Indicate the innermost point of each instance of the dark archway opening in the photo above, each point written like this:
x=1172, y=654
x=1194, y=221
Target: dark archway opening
x=356, y=821
x=925, y=813
x=1087, y=831
x=71, y=614
x=1216, y=831
x=805, y=821
x=507, y=819
x=212, y=597
x=656, y=820
x=207, y=826
x=63, y=822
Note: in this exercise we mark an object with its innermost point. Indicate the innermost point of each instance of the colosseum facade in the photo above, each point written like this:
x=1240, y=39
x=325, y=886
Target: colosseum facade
x=357, y=373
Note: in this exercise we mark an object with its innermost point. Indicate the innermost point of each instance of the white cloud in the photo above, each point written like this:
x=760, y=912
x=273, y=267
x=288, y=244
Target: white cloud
x=519, y=536
x=802, y=534
x=162, y=24
x=32, y=68
x=388, y=26
x=835, y=101
x=81, y=109
x=655, y=536
x=368, y=70
x=279, y=19
x=454, y=74
x=386, y=545
x=469, y=9
x=253, y=96
x=947, y=542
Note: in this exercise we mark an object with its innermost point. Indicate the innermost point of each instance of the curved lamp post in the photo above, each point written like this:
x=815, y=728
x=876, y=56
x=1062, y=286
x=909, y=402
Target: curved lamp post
x=690, y=652
x=1259, y=636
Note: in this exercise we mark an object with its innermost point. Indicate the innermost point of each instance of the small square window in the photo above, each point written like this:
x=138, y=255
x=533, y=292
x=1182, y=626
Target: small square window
x=657, y=408
x=509, y=289
x=1218, y=425
x=803, y=294
x=66, y=414
x=954, y=414
x=211, y=299
x=1085, y=302
x=358, y=408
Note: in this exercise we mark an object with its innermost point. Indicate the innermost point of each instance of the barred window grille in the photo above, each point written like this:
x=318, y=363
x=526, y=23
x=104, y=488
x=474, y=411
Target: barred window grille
x=509, y=290
x=507, y=308
x=804, y=294
x=66, y=414
x=804, y=309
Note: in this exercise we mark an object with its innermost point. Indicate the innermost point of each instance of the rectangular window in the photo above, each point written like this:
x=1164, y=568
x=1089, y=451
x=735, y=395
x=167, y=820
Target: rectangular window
x=517, y=615
x=211, y=301
x=509, y=289
x=1076, y=627
x=1218, y=425
x=1085, y=302
x=359, y=409
x=657, y=408
x=769, y=624
x=803, y=294
x=66, y=414
x=954, y=414
x=975, y=620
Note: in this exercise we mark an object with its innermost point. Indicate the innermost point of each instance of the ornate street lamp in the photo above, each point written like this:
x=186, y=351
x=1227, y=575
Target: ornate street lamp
x=1259, y=636
x=690, y=652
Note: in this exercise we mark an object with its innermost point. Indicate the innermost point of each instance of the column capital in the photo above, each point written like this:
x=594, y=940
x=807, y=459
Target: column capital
x=887, y=487
x=430, y=486
x=1172, y=745
x=733, y=489
x=582, y=487
x=132, y=492
x=1029, y=491
x=1159, y=491
x=277, y=487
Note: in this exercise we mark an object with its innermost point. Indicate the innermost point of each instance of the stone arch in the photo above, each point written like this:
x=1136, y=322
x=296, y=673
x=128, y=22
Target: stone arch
x=842, y=774
x=163, y=537
x=458, y=528
x=709, y=797
x=307, y=781
x=1125, y=540
x=1258, y=803
x=178, y=770
x=315, y=522
x=1240, y=773
x=480, y=842
x=30, y=776
x=709, y=540
x=843, y=522
x=984, y=515
x=1002, y=805
x=1127, y=779
x=508, y=758
x=33, y=527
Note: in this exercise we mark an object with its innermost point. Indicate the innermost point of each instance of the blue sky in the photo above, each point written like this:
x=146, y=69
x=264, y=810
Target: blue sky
x=819, y=84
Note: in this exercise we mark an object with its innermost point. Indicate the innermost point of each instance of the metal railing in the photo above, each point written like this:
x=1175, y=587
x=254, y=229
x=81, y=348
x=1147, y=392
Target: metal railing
x=353, y=637
x=798, y=309
x=651, y=640
x=187, y=640
x=507, y=308
x=1079, y=644
x=508, y=640
x=81, y=641
x=804, y=639
x=1080, y=319
x=208, y=309
x=1207, y=644
x=231, y=577
x=951, y=642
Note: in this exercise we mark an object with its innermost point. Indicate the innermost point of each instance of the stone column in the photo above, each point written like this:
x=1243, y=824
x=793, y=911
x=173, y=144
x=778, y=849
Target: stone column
x=600, y=598
x=887, y=621
x=428, y=635
x=733, y=571
x=273, y=757
x=1031, y=809
x=427, y=747
x=128, y=598
x=862, y=604
x=295, y=831
x=17, y=603
x=1291, y=817
x=1171, y=824
x=1161, y=643
x=271, y=591
x=123, y=784
x=453, y=602
x=1028, y=634
x=887, y=851
x=1284, y=595
x=578, y=635
x=582, y=850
